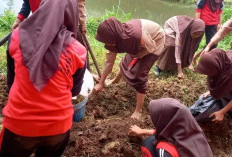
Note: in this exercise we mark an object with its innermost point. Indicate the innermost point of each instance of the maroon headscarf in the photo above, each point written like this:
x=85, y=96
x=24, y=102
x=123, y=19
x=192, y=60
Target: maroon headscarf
x=189, y=45
x=214, y=5
x=174, y=123
x=126, y=36
x=217, y=65
x=44, y=35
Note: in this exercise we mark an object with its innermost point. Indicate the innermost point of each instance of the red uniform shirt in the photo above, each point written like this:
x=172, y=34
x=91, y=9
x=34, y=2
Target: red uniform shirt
x=209, y=17
x=49, y=112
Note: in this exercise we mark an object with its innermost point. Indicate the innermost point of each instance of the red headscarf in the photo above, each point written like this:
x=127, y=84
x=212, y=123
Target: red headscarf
x=44, y=35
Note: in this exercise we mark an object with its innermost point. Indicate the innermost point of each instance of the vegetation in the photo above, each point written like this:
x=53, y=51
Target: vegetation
x=8, y=18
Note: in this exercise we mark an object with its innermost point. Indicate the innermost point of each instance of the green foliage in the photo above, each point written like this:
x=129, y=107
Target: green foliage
x=6, y=21
x=93, y=22
x=225, y=43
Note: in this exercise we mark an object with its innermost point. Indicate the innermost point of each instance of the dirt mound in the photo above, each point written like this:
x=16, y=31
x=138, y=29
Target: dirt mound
x=104, y=130
x=3, y=91
x=108, y=137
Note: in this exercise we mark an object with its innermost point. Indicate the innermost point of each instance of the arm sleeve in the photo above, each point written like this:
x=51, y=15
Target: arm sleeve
x=110, y=59
x=25, y=10
x=162, y=153
x=10, y=67
x=82, y=12
x=78, y=80
x=199, y=5
x=177, y=47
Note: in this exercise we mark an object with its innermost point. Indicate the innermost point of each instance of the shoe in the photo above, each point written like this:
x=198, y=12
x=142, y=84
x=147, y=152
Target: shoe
x=157, y=71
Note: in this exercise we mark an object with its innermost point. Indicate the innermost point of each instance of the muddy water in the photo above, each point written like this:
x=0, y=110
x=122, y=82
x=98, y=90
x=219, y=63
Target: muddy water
x=156, y=10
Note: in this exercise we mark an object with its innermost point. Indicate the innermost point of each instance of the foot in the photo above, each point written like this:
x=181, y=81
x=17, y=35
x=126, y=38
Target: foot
x=136, y=115
x=180, y=75
x=191, y=67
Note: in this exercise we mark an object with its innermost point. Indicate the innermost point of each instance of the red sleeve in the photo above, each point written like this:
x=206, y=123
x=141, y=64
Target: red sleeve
x=198, y=10
x=21, y=17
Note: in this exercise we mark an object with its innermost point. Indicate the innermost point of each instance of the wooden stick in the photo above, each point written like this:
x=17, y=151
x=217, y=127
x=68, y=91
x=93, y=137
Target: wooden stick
x=92, y=55
x=4, y=39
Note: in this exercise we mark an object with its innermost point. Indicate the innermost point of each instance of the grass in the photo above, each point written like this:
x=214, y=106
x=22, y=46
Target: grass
x=7, y=20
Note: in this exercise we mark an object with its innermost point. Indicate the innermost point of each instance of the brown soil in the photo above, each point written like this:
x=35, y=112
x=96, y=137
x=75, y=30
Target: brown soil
x=104, y=130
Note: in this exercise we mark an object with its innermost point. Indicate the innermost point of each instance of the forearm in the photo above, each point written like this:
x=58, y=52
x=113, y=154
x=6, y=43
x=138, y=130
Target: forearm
x=197, y=15
x=82, y=12
x=110, y=59
x=227, y=108
x=220, y=19
x=25, y=10
x=148, y=132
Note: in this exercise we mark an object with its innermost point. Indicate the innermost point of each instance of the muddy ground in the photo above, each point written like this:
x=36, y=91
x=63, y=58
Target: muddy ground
x=104, y=130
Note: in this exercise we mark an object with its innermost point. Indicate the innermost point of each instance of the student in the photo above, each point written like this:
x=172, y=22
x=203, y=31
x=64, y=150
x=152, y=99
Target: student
x=32, y=5
x=183, y=35
x=143, y=41
x=177, y=133
x=217, y=65
x=223, y=31
x=210, y=11
x=49, y=62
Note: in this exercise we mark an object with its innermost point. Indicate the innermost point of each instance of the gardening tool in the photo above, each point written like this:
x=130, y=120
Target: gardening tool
x=86, y=42
x=4, y=39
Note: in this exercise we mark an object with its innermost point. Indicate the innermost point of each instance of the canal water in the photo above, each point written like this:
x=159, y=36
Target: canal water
x=156, y=10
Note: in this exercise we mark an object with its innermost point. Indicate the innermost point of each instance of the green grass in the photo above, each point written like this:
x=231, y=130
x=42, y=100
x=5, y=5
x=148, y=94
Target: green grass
x=7, y=20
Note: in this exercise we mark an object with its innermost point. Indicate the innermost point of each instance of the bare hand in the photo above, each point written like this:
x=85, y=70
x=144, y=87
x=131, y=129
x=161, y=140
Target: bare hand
x=206, y=94
x=16, y=23
x=98, y=88
x=83, y=29
x=218, y=116
x=135, y=131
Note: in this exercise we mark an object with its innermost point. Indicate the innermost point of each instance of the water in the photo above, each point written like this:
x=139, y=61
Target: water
x=156, y=10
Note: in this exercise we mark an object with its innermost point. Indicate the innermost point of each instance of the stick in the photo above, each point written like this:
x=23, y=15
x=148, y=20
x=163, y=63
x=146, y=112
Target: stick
x=4, y=39
x=92, y=55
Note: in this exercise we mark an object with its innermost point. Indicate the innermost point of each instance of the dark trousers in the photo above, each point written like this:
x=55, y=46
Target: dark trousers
x=19, y=146
x=210, y=31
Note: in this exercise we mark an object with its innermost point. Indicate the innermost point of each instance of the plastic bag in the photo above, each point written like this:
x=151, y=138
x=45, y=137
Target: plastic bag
x=203, y=107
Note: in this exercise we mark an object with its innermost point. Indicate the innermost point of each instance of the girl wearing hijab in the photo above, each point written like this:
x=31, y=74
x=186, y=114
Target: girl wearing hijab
x=183, y=35
x=217, y=65
x=210, y=11
x=143, y=41
x=49, y=68
x=177, y=133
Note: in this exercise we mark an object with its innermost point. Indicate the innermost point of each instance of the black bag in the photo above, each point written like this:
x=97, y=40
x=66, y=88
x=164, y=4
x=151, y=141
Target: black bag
x=203, y=107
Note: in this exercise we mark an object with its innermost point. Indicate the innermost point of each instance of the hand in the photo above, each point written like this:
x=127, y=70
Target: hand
x=206, y=94
x=218, y=116
x=16, y=23
x=98, y=88
x=135, y=131
x=83, y=29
